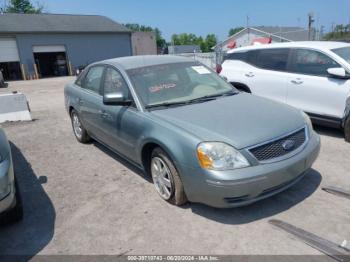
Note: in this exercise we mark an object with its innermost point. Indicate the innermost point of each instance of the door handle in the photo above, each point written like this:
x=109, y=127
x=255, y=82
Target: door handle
x=80, y=101
x=297, y=81
x=104, y=114
x=250, y=74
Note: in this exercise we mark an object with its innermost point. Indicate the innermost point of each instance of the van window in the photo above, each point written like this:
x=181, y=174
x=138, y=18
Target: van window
x=271, y=59
x=312, y=62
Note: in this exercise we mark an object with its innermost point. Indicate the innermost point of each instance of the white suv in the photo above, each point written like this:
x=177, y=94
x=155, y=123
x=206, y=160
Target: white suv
x=312, y=76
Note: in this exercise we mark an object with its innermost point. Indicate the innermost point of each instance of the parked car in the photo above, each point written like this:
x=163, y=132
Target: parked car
x=198, y=137
x=10, y=199
x=312, y=76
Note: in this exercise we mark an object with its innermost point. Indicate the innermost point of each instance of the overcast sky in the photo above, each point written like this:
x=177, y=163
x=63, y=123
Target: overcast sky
x=203, y=17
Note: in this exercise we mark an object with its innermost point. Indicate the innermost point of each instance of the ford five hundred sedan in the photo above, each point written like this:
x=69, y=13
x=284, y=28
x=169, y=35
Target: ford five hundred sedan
x=199, y=139
x=10, y=200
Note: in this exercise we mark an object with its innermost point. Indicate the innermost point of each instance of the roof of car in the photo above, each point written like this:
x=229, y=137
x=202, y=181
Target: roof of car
x=131, y=62
x=325, y=45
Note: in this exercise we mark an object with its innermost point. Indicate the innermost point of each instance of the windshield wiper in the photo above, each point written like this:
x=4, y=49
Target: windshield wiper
x=213, y=97
x=167, y=104
x=195, y=100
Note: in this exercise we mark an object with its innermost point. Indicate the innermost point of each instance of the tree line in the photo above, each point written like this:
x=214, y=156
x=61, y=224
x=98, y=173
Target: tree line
x=205, y=43
x=339, y=32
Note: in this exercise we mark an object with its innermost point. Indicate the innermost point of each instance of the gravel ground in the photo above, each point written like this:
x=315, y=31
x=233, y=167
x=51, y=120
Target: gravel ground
x=83, y=199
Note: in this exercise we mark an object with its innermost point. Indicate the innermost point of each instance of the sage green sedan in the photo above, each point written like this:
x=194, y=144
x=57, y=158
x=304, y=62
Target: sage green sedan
x=197, y=137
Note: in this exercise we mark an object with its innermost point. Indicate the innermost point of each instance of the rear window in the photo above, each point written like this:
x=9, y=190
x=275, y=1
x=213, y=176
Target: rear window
x=271, y=59
x=242, y=56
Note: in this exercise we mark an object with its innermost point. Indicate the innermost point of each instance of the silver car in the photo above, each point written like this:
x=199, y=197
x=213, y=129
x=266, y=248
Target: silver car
x=10, y=200
x=185, y=126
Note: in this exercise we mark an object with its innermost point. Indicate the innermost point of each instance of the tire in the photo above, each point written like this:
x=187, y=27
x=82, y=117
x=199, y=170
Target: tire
x=15, y=214
x=176, y=192
x=347, y=129
x=79, y=131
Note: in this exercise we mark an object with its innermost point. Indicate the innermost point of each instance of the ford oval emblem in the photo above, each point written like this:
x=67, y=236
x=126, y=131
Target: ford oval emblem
x=288, y=145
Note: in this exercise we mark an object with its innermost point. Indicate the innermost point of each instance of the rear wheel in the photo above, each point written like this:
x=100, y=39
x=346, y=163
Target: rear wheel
x=79, y=131
x=166, y=179
x=347, y=129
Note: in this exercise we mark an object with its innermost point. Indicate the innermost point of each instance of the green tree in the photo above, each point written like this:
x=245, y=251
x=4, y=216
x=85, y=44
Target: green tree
x=234, y=30
x=191, y=39
x=211, y=41
x=23, y=7
x=137, y=28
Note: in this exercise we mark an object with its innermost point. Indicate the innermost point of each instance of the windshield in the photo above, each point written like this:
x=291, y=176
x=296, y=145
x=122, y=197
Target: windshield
x=343, y=53
x=176, y=83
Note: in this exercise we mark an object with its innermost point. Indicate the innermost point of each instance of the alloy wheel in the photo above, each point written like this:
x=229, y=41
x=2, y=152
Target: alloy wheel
x=162, y=178
x=77, y=127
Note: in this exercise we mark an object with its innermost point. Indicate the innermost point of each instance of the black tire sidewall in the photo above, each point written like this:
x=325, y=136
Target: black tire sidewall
x=347, y=129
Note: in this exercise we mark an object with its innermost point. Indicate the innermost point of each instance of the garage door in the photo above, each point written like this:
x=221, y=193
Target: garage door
x=8, y=50
x=48, y=48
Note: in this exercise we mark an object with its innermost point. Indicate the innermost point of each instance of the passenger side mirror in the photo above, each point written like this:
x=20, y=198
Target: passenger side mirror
x=338, y=72
x=116, y=99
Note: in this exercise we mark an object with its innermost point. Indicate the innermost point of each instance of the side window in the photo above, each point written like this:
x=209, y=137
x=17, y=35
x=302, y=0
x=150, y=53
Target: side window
x=80, y=78
x=241, y=56
x=312, y=62
x=93, y=78
x=114, y=82
x=271, y=59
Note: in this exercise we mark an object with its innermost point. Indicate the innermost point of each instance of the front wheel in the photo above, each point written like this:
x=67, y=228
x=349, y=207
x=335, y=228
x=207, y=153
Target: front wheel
x=347, y=129
x=166, y=179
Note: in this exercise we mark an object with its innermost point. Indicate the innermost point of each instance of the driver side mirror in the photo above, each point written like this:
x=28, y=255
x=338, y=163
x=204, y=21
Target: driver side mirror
x=338, y=72
x=116, y=99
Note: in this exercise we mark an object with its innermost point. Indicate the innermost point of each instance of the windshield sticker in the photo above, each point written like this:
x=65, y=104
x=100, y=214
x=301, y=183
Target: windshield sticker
x=201, y=70
x=157, y=88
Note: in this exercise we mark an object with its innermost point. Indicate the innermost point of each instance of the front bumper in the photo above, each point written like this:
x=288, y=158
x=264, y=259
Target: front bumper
x=244, y=186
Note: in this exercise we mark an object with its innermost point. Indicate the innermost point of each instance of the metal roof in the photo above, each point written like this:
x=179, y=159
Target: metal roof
x=131, y=62
x=58, y=23
x=324, y=45
x=285, y=33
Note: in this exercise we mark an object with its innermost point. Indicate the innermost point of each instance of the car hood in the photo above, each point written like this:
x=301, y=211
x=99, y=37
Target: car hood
x=241, y=120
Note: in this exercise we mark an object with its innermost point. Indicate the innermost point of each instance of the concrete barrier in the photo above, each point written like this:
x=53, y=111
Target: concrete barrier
x=14, y=107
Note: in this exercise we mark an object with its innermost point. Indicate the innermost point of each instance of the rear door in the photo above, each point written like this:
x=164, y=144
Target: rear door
x=311, y=88
x=268, y=76
x=90, y=101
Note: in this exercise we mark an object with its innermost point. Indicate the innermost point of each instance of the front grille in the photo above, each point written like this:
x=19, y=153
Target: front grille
x=280, y=147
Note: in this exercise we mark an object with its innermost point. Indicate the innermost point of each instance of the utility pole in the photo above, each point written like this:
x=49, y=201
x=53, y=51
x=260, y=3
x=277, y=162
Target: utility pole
x=321, y=32
x=311, y=21
x=248, y=29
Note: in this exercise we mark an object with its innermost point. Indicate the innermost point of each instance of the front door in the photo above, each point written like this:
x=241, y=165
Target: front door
x=121, y=124
x=312, y=89
x=90, y=101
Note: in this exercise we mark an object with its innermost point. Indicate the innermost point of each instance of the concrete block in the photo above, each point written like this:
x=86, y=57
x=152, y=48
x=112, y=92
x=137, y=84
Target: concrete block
x=14, y=107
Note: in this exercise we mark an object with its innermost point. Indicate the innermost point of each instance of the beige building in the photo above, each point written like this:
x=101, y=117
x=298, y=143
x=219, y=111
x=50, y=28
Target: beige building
x=144, y=43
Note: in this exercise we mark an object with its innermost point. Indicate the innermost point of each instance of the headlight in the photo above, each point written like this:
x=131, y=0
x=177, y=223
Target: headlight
x=307, y=121
x=220, y=156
